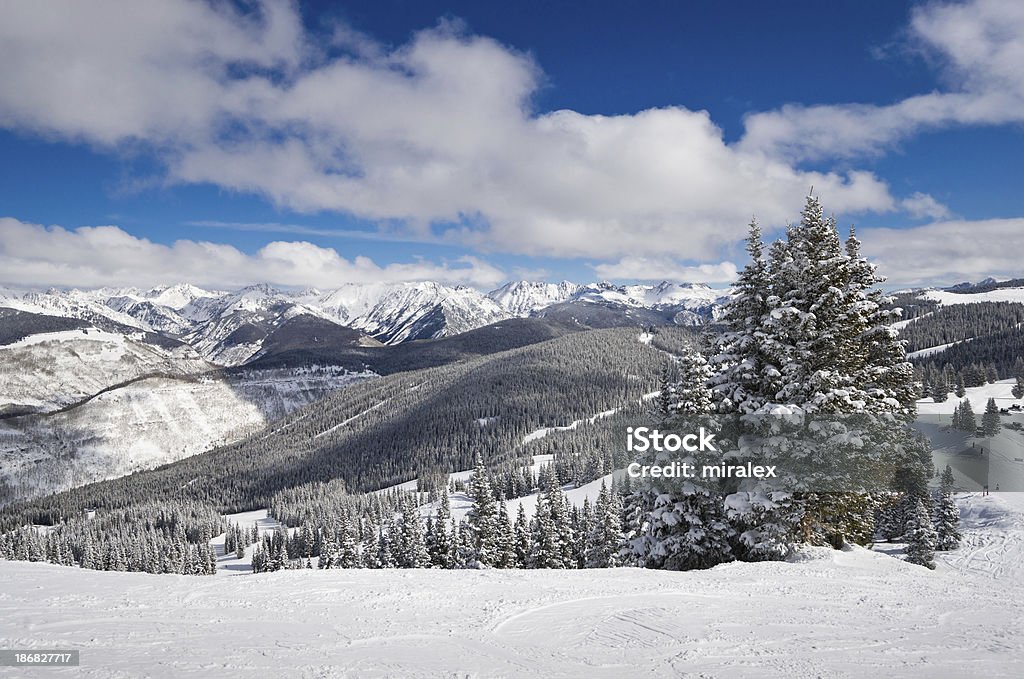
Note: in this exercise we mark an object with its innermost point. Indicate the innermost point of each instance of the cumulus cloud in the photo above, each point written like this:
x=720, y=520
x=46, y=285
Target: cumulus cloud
x=666, y=269
x=948, y=251
x=979, y=47
x=438, y=140
x=922, y=205
x=94, y=256
x=438, y=134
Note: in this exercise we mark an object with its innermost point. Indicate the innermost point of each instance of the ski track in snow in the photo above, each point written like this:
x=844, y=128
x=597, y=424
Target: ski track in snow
x=544, y=431
x=829, y=614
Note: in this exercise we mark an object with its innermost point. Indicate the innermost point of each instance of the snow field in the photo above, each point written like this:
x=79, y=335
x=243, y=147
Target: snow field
x=828, y=614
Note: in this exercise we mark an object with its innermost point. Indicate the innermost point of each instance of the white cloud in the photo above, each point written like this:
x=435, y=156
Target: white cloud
x=437, y=139
x=947, y=252
x=979, y=46
x=921, y=205
x=438, y=133
x=666, y=269
x=93, y=256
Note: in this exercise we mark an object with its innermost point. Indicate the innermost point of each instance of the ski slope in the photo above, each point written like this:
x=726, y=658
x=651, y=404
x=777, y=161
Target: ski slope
x=828, y=614
x=1001, y=391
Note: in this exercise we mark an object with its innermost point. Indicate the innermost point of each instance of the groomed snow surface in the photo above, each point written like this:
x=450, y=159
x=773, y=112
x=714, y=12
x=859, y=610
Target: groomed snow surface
x=829, y=614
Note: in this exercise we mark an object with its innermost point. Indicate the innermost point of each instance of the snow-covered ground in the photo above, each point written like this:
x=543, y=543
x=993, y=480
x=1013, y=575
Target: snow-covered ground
x=946, y=297
x=997, y=461
x=830, y=614
x=1001, y=391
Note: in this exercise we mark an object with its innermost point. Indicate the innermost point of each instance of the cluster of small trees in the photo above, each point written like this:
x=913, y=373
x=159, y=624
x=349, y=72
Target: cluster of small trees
x=927, y=523
x=938, y=383
x=559, y=535
x=964, y=419
x=150, y=539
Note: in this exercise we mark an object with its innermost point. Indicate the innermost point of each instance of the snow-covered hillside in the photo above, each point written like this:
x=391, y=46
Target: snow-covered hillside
x=46, y=371
x=828, y=614
x=948, y=297
x=149, y=423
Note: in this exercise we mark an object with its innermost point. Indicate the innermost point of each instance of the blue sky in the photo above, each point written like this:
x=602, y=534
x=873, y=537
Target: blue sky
x=477, y=142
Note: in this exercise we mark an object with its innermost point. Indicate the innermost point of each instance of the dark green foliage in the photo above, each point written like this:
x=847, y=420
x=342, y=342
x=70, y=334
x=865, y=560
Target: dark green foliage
x=990, y=424
x=947, y=515
x=920, y=535
x=959, y=322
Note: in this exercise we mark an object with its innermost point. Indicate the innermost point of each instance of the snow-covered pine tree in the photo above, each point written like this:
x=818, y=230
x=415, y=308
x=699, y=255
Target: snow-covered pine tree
x=682, y=523
x=347, y=555
x=440, y=542
x=385, y=554
x=990, y=420
x=743, y=372
x=522, y=538
x=604, y=541
x=328, y=551
x=693, y=391
x=465, y=547
x=412, y=552
x=947, y=515
x=960, y=389
x=370, y=551
x=506, y=547
x=551, y=537
x=920, y=536
x=827, y=350
x=482, y=519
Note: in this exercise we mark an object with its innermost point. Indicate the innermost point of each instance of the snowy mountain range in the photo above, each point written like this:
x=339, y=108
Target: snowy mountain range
x=228, y=327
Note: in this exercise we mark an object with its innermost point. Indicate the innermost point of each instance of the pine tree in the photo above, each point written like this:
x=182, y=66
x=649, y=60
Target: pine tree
x=940, y=389
x=947, y=515
x=385, y=555
x=347, y=554
x=693, y=392
x=441, y=542
x=822, y=345
x=605, y=538
x=963, y=417
x=328, y=551
x=506, y=554
x=680, y=525
x=990, y=420
x=920, y=536
x=370, y=556
x=522, y=538
x=744, y=373
x=550, y=544
x=482, y=519
x=466, y=552
x=1018, y=388
x=961, y=391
